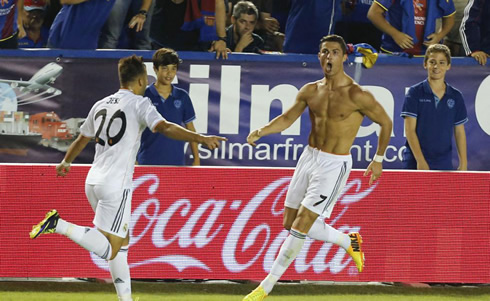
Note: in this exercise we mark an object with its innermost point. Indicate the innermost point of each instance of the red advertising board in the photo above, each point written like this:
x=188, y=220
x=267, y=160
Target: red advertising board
x=226, y=223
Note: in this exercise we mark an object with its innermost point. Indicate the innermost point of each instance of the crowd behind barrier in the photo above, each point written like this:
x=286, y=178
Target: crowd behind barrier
x=230, y=98
x=292, y=26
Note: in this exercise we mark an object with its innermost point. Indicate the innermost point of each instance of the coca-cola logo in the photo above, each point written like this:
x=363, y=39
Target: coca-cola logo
x=245, y=234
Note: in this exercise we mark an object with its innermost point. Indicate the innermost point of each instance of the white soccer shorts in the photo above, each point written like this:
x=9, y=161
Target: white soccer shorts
x=112, y=207
x=318, y=180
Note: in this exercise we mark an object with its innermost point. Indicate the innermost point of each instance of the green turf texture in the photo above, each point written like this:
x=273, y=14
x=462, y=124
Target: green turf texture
x=172, y=291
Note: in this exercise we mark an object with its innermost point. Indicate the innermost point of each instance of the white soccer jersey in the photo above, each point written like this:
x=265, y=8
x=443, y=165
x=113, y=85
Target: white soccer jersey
x=117, y=122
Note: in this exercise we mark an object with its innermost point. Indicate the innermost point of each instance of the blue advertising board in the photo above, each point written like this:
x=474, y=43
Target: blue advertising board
x=231, y=98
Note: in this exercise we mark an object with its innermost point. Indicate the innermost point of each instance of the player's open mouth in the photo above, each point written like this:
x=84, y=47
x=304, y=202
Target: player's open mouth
x=329, y=67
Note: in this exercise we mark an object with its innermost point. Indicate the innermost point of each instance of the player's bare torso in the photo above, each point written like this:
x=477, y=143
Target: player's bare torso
x=335, y=116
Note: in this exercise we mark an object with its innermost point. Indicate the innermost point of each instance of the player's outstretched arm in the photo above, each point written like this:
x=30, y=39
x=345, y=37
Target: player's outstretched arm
x=73, y=151
x=177, y=132
x=374, y=111
x=283, y=121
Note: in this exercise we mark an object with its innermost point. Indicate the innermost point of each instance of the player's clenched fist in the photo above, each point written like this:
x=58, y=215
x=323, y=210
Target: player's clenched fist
x=63, y=168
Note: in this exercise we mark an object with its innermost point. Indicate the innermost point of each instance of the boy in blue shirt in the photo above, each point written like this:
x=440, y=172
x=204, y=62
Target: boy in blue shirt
x=433, y=111
x=175, y=105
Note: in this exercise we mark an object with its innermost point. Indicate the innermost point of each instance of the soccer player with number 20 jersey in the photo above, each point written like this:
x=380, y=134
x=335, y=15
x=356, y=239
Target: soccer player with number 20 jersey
x=116, y=123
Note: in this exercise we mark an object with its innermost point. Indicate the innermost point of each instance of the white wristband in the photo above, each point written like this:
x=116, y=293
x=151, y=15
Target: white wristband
x=378, y=158
x=64, y=163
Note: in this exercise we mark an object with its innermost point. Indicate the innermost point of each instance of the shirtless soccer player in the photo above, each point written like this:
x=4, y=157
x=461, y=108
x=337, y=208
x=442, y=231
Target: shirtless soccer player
x=337, y=106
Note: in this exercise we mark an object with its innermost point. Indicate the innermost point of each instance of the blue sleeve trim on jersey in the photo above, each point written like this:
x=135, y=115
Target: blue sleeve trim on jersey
x=409, y=114
x=461, y=122
x=190, y=119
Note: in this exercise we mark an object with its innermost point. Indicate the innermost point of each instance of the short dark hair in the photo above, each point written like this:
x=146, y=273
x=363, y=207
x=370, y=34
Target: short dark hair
x=438, y=48
x=164, y=57
x=130, y=68
x=334, y=38
x=246, y=8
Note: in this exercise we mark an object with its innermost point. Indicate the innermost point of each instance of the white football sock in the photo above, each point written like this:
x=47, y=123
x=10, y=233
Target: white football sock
x=90, y=239
x=120, y=274
x=324, y=232
x=288, y=252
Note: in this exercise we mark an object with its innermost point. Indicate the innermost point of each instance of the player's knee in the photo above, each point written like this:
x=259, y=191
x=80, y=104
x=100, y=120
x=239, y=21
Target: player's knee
x=114, y=254
x=115, y=250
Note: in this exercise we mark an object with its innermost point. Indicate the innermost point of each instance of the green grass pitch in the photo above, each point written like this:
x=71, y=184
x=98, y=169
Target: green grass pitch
x=202, y=291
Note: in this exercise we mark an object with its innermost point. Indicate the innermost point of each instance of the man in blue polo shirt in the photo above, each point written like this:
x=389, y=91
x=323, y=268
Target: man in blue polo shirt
x=175, y=105
x=78, y=24
x=433, y=111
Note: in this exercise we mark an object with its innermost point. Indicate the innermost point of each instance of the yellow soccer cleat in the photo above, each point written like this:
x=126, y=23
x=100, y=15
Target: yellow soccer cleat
x=47, y=225
x=355, y=250
x=257, y=294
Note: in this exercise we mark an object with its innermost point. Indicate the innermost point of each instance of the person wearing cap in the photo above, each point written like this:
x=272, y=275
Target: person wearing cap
x=33, y=20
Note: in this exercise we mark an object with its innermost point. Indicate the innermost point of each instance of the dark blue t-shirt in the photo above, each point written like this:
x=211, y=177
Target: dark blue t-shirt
x=26, y=42
x=435, y=123
x=308, y=22
x=359, y=12
x=78, y=26
x=155, y=148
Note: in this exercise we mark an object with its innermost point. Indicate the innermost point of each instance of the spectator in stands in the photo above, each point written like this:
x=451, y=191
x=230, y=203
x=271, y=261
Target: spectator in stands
x=433, y=111
x=212, y=28
x=410, y=26
x=33, y=21
x=280, y=11
x=179, y=24
x=355, y=27
x=175, y=105
x=166, y=23
x=308, y=21
x=11, y=12
x=475, y=30
x=52, y=10
x=240, y=36
x=453, y=38
x=267, y=26
x=78, y=24
x=115, y=26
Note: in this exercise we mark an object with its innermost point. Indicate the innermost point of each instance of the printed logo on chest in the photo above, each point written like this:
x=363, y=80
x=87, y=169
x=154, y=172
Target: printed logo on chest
x=450, y=103
x=178, y=103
